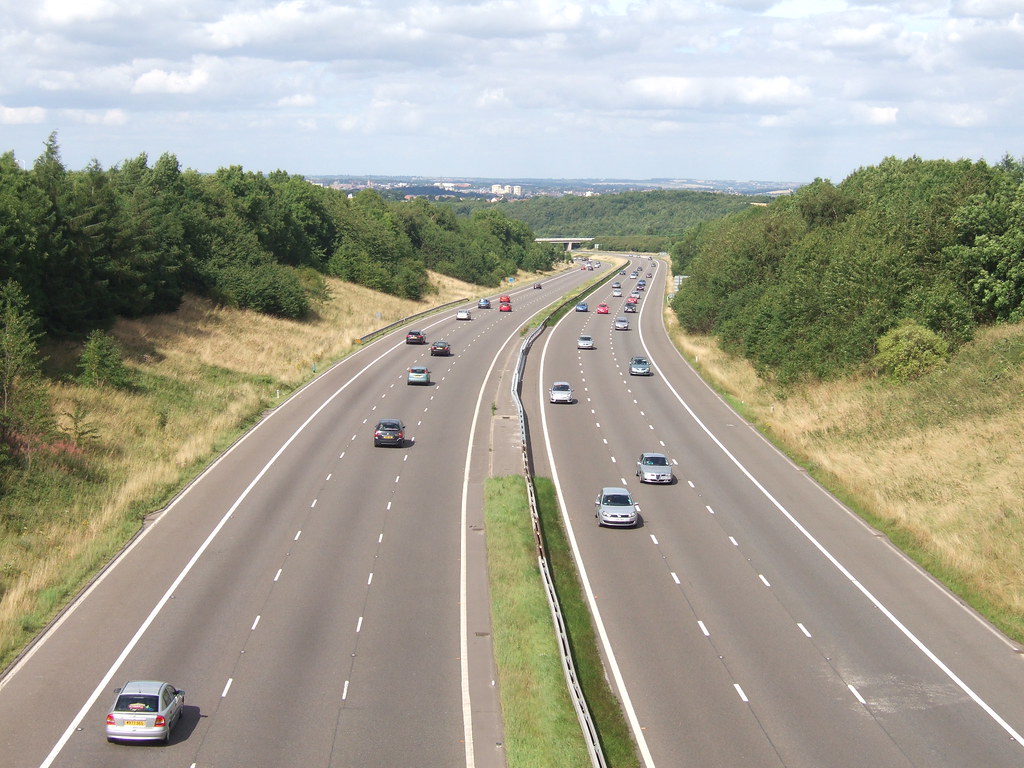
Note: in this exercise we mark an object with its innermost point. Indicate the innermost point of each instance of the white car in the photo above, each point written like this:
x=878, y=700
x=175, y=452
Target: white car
x=621, y=324
x=585, y=342
x=463, y=314
x=561, y=392
x=616, y=293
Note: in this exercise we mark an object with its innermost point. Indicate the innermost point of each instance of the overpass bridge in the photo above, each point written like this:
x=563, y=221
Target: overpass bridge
x=569, y=243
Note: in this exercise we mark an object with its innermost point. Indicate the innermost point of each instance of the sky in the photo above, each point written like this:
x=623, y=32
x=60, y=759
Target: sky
x=515, y=89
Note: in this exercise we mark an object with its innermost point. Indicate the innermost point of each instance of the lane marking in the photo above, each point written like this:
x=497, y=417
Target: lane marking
x=743, y=696
x=941, y=665
x=856, y=693
x=278, y=574
x=255, y=624
x=674, y=577
x=227, y=687
x=763, y=579
x=703, y=629
x=803, y=629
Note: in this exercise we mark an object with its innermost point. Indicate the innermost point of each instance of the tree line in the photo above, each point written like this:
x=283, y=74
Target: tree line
x=888, y=271
x=87, y=246
x=653, y=214
x=81, y=248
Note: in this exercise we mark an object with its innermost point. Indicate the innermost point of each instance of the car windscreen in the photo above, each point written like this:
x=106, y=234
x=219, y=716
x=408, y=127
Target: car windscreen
x=617, y=500
x=656, y=461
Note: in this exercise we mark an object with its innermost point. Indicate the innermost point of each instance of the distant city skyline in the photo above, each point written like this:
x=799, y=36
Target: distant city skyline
x=506, y=89
x=522, y=188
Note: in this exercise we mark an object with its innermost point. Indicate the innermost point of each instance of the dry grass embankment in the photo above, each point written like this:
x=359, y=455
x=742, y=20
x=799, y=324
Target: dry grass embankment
x=936, y=463
x=204, y=373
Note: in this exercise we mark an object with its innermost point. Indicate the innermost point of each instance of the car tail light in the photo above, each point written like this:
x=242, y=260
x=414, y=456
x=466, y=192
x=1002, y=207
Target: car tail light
x=110, y=719
x=160, y=722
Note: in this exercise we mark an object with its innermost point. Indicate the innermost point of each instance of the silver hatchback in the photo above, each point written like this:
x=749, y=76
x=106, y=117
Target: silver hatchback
x=145, y=710
x=654, y=468
x=615, y=507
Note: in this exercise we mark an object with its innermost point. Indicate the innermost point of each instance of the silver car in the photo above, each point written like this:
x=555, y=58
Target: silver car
x=585, y=342
x=639, y=366
x=654, y=468
x=561, y=392
x=615, y=507
x=621, y=324
x=418, y=374
x=145, y=710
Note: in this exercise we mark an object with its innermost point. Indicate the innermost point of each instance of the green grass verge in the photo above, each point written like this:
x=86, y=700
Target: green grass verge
x=541, y=728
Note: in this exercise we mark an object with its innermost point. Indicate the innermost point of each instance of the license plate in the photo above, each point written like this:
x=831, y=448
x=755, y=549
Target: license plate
x=139, y=723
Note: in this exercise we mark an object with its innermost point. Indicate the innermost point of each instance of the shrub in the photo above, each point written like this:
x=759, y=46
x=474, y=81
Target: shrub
x=102, y=363
x=908, y=351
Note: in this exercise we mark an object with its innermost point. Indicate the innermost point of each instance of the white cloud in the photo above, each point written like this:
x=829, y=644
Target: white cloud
x=21, y=115
x=609, y=87
x=688, y=92
x=111, y=117
x=490, y=97
x=162, y=81
x=297, y=100
x=872, y=115
x=74, y=11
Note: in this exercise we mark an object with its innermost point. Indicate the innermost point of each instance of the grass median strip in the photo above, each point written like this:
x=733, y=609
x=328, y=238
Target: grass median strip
x=541, y=728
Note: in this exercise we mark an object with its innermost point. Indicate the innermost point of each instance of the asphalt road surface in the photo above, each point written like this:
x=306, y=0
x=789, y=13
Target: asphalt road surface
x=750, y=619
x=322, y=602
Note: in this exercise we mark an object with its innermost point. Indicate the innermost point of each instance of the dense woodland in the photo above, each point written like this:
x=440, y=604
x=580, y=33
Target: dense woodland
x=662, y=214
x=86, y=246
x=888, y=271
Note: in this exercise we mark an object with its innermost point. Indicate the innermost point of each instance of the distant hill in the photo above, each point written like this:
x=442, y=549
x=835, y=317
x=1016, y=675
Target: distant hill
x=663, y=213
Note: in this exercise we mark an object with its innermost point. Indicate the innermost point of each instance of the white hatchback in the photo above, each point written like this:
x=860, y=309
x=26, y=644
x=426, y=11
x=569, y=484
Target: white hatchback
x=585, y=342
x=561, y=392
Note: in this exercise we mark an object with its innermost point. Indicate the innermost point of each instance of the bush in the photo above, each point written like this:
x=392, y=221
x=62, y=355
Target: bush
x=909, y=351
x=102, y=363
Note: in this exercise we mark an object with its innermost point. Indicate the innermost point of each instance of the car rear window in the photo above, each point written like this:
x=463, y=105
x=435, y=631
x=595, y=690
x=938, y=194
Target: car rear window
x=136, y=702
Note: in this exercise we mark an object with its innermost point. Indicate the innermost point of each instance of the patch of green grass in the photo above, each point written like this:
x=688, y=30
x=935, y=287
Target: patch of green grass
x=605, y=708
x=541, y=728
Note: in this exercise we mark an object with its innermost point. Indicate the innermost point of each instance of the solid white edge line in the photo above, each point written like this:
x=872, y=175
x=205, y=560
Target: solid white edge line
x=467, y=707
x=105, y=681
x=835, y=562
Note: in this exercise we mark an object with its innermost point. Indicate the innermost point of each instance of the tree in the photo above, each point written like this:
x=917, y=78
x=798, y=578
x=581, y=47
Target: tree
x=102, y=363
x=25, y=412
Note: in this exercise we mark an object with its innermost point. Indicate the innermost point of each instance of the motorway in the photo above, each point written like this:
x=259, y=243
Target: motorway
x=750, y=619
x=322, y=602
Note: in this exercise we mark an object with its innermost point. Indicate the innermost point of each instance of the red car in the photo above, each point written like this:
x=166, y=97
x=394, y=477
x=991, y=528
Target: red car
x=602, y=309
x=632, y=299
x=505, y=307
x=505, y=300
